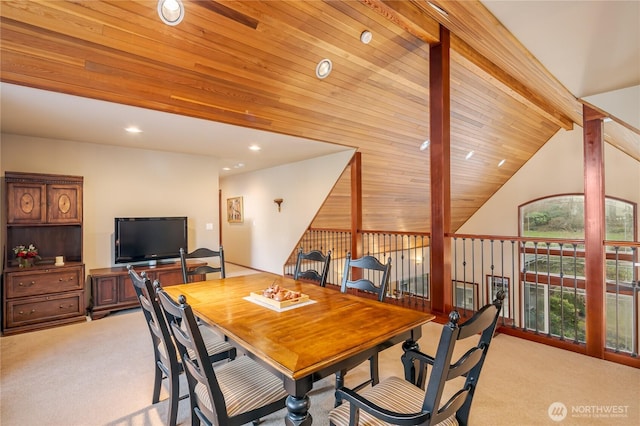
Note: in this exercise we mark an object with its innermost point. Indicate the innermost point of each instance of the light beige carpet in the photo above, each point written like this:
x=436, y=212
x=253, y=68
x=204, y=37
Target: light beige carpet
x=100, y=373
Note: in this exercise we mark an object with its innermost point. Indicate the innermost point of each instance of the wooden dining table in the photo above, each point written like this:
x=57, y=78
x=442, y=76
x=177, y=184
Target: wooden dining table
x=306, y=342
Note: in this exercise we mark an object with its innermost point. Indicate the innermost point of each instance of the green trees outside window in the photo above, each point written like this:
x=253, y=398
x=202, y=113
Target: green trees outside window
x=554, y=293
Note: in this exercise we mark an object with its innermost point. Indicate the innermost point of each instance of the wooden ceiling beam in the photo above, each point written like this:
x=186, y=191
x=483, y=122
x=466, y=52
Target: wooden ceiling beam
x=471, y=21
x=507, y=84
x=408, y=17
x=411, y=17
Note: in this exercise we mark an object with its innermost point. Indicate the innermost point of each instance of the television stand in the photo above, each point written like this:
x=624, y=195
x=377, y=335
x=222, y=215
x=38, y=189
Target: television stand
x=112, y=289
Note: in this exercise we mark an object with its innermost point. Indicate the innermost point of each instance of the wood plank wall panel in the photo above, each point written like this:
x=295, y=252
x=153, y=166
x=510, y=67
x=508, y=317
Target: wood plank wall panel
x=252, y=63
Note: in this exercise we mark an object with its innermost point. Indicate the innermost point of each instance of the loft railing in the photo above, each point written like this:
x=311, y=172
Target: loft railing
x=543, y=280
x=409, y=282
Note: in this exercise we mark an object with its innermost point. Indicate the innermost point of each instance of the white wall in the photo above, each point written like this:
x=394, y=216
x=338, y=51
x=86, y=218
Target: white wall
x=557, y=168
x=266, y=237
x=123, y=182
x=623, y=104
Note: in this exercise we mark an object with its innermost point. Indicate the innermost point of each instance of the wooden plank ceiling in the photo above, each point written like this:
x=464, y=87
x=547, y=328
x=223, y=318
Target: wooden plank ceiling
x=252, y=63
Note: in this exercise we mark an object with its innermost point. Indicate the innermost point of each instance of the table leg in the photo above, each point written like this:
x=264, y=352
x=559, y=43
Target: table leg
x=409, y=366
x=339, y=384
x=298, y=411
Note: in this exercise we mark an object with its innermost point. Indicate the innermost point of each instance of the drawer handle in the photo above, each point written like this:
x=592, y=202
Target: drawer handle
x=21, y=284
x=22, y=312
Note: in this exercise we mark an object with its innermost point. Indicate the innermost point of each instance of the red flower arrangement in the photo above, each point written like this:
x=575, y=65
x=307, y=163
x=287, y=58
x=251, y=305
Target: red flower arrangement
x=26, y=254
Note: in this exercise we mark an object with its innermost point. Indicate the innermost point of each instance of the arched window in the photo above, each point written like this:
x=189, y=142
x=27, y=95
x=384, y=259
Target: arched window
x=562, y=216
x=553, y=296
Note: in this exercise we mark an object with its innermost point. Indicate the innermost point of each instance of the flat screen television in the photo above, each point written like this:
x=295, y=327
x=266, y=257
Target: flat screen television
x=140, y=239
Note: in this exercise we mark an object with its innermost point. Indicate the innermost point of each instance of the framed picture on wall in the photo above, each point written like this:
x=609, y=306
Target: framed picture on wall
x=234, y=210
x=466, y=295
x=494, y=284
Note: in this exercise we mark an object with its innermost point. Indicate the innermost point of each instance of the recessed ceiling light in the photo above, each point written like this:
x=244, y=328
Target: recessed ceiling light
x=255, y=148
x=171, y=12
x=424, y=145
x=438, y=9
x=133, y=129
x=469, y=155
x=323, y=69
x=501, y=163
x=366, y=36
x=239, y=165
x=226, y=169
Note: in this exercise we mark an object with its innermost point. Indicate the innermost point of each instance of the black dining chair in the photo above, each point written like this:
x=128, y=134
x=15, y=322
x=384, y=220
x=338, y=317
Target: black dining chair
x=313, y=265
x=362, y=274
x=201, y=253
x=397, y=401
x=168, y=364
x=232, y=393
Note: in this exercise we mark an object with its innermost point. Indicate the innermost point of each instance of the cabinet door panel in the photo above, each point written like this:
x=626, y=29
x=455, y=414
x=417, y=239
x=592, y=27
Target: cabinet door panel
x=105, y=289
x=126, y=292
x=26, y=203
x=64, y=203
x=170, y=277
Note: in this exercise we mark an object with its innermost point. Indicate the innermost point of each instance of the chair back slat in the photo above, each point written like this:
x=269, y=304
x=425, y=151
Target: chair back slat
x=450, y=407
x=201, y=253
x=465, y=363
x=310, y=261
x=479, y=322
x=367, y=264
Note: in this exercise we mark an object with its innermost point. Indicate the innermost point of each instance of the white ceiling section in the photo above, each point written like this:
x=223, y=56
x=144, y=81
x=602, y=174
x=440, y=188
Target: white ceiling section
x=579, y=42
x=74, y=118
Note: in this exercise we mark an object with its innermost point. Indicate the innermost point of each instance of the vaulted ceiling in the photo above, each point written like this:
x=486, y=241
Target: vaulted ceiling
x=252, y=64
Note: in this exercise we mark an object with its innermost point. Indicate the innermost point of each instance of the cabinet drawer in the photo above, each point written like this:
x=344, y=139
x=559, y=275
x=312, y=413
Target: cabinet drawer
x=44, y=281
x=45, y=308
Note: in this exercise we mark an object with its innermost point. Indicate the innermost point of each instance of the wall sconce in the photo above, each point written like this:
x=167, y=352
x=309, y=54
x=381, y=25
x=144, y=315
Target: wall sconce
x=278, y=201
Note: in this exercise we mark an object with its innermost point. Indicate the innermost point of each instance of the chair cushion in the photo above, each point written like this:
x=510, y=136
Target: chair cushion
x=212, y=341
x=245, y=385
x=394, y=394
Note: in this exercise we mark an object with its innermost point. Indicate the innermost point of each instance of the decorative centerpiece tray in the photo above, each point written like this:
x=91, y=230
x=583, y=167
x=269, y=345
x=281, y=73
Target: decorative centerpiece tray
x=280, y=297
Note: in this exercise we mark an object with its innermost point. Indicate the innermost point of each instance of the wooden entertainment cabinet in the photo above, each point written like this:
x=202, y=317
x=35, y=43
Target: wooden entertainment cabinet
x=46, y=211
x=112, y=290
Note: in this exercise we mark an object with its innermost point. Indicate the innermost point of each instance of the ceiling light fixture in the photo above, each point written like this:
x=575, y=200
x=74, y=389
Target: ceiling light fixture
x=469, y=155
x=438, y=9
x=171, y=12
x=255, y=148
x=132, y=129
x=323, y=69
x=366, y=36
x=425, y=145
x=501, y=163
x=226, y=169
